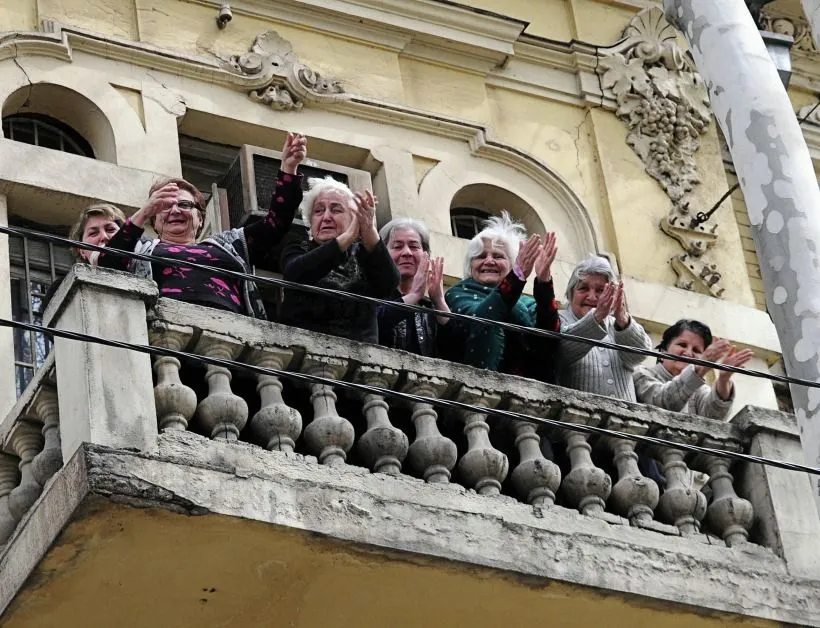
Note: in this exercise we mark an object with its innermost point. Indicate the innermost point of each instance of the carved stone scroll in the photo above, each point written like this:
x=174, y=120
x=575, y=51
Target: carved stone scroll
x=282, y=81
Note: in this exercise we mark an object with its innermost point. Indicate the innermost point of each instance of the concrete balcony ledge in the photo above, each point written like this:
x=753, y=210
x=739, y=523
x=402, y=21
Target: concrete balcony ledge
x=462, y=486
x=191, y=476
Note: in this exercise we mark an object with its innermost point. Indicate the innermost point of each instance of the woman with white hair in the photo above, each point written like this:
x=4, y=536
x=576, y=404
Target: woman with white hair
x=597, y=310
x=421, y=283
x=342, y=251
x=496, y=266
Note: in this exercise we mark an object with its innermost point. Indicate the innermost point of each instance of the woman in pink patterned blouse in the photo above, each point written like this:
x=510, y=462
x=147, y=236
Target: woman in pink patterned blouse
x=176, y=211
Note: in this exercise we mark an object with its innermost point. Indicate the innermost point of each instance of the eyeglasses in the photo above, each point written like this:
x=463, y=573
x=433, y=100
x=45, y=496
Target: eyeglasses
x=183, y=205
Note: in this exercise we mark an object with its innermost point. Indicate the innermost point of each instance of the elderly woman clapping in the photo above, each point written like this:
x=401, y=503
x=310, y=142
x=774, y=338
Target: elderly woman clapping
x=497, y=266
x=176, y=211
x=342, y=251
x=598, y=311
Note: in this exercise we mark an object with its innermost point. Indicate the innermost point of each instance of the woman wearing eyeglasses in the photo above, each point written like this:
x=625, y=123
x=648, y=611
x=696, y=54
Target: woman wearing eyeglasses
x=175, y=210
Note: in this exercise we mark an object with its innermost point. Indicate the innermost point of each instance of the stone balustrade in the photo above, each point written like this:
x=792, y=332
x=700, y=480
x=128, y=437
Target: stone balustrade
x=30, y=448
x=536, y=464
x=489, y=454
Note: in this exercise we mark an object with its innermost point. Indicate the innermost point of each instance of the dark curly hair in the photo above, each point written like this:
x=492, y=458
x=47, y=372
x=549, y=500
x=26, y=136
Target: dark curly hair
x=696, y=327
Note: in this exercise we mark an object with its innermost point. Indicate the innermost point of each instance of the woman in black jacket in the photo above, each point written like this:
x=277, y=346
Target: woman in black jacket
x=342, y=251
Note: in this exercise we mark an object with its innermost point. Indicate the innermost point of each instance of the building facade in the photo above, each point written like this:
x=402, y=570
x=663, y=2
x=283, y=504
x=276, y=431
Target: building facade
x=583, y=117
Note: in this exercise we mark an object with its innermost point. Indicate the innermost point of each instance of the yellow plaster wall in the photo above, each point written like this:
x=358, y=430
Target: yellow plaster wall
x=559, y=135
x=547, y=18
x=135, y=567
x=112, y=17
x=599, y=22
x=18, y=15
x=442, y=90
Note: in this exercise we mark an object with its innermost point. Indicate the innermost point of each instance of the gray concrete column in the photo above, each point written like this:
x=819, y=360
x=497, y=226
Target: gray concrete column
x=778, y=183
x=812, y=10
x=105, y=394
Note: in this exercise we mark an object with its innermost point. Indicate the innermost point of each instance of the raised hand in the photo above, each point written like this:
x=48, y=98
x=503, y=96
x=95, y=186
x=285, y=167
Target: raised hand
x=619, y=307
x=435, y=283
x=546, y=256
x=733, y=357
x=366, y=204
x=714, y=352
x=351, y=233
x=294, y=152
x=605, y=302
x=161, y=200
x=419, y=286
x=528, y=253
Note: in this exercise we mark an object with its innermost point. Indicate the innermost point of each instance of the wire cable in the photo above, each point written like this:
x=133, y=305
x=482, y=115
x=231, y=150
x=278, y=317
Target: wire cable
x=531, y=331
x=395, y=394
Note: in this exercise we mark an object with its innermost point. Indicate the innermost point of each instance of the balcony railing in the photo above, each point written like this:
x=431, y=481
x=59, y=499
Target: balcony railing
x=110, y=397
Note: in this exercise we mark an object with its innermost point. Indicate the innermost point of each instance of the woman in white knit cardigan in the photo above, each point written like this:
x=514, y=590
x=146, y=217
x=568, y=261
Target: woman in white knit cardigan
x=597, y=310
x=681, y=387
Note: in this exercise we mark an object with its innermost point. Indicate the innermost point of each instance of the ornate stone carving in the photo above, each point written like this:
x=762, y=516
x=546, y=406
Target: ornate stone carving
x=283, y=82
x=663, y=101
x=795, y=27
x=694, y=274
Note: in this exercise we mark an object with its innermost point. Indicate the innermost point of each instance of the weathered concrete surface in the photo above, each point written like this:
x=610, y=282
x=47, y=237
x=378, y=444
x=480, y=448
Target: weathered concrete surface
x=190, y=474
x=106, y=394
x=776, y=175
x=812, y=10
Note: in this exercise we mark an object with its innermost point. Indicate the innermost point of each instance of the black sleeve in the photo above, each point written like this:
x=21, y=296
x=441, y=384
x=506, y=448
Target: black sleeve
x=382, y=275
x=264, y=234
x=309, y=267
x=546, y=313
x=125, y=239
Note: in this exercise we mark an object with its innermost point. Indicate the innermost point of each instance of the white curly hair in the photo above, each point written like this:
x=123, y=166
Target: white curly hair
x=316, y=187
x=501, y=231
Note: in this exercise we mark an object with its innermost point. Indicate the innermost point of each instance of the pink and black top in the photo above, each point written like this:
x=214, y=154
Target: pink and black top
x=236, y=250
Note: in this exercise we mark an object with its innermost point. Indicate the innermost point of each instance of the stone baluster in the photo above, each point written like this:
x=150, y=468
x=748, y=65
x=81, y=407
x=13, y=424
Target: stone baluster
x=634, y=496
x=586, y=487
x=176, y=402
x=50, y=459
x=535, y=478
x=382, y=446
x=9, y=479
x=276, y=425
x=681, y=504
x=328, y=436
x=483, y=467
x=728, y=515
x=431, y=454
x=26, y=441
x=222, y=413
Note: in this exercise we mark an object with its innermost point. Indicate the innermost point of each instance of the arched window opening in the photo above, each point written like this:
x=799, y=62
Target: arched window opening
x=474, y=203
x=466, y=222
x=47, y=132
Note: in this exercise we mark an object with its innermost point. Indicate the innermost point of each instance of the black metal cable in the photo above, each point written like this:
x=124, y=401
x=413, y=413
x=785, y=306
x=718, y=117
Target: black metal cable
x=386, y=392
x=531, y=331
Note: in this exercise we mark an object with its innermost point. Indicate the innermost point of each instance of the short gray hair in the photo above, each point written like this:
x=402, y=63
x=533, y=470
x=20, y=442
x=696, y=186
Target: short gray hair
x=593, y=265
x=406, y=224
x=317, y=186
x=500, y=230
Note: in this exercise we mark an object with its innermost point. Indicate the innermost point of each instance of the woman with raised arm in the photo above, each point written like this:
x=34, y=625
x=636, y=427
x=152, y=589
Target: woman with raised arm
x=681, y=387
x=342, y=251
x=176, y=211
x=597, y=310
x=497, y=266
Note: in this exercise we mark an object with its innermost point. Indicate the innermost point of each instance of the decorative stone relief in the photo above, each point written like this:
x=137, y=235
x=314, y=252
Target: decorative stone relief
x=663, y=101
x=284, y=83
x=795, y=27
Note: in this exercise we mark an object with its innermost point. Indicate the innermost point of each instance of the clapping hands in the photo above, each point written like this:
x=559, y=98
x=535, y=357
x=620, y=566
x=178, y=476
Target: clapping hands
x=537, y=255
x=294, y=152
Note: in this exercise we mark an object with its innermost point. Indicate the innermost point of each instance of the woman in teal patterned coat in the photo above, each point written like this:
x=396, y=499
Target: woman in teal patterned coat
x=497, y=265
